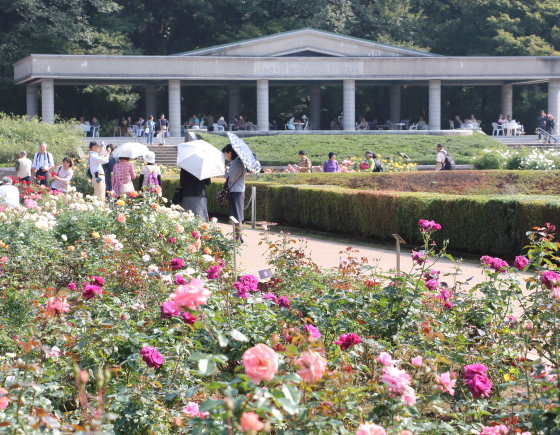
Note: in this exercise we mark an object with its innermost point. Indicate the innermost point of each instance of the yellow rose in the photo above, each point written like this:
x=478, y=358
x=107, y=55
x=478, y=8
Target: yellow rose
x=95, y=235
x=120, y=202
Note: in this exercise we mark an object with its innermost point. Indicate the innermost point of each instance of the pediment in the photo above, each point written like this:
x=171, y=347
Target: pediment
x=306, y=43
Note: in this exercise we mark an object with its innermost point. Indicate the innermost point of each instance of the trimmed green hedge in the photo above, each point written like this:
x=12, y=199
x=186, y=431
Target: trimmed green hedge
x=493, y=225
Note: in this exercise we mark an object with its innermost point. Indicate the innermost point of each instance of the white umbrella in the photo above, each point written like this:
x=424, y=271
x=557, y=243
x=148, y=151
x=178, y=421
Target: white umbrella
x=200, y=159
x=131, y=150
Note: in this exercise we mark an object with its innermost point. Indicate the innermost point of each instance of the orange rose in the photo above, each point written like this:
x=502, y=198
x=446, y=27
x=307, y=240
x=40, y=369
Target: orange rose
x=71, y=248
x=204, y=226
x=207, y=251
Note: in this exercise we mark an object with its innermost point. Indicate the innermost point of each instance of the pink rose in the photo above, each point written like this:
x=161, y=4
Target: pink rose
x=312, y=331
x=180, y=280
x=177, y=263
x=168, y=310
x=431, y=284
x=499, y=265
x=270, y=296
x=57, y=305
x=121, y=218
x=418, y=257
x=260, y=363
x=3, y=259
x=520, y=262
x=550, y=279
x=4, y=398
x=486, y=259
x=370, y=429
x=311, y=365
x=348, y=340
x=172, y=240
x=250, y=422
x=476, y=380
x=416, y=361
x=494, y=430
x=191, y=249
x=72, y=286
x=409, y=396
x=196, y=235
x=427, y=226
x=151, y=357
x=397, y=380
x=188, y=318
x=90, y=291
x=190, y=295
x=98, y=281
x=192, y=410
x=446, y=383
x=284, y=302
x=385, y=359
x=213, y=272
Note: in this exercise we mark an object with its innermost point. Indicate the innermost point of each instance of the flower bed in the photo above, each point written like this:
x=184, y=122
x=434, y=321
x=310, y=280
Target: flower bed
x=132, y=321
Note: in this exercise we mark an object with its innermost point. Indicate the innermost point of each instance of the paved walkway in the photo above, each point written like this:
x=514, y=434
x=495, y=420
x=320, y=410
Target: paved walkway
x=327, y=254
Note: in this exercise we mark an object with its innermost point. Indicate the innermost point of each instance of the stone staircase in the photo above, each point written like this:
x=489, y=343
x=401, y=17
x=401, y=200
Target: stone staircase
x=526, y=140
x=165, y=155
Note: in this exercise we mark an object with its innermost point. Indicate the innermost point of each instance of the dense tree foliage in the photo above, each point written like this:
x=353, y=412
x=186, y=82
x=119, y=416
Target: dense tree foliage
x=449, y=27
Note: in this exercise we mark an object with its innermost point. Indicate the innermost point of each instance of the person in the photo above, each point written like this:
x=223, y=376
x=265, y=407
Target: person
x=305, y=122
x=373, y=124
x=149, y=168
x=222, y=123
x=457, y=122
x=108, y=167
x=274, y=125
x=210, y=123
x=421, y=123
x=162, y=126
x=123, y=174
x=500, y=119
x=331, y=165
x=363, y=124
x=150, y=127
x=94, y=123
x=471, y=120
x=194, y=194
x=64, y=174
x=23, y=167
x=96, y=161
x=304, y=164
x=290, y=125
x=549, y=128
x=193, y=120
x=130, y=128
x=236, y=185
x=43, y=162
x=541, y=122
x=368, y=164
x=441, y=157
x=241, y=123
x=140, y=125
x=9, y=194
x=123, y=126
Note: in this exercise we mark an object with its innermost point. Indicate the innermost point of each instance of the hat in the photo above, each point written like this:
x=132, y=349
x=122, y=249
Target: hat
x=369, y=153
x=221, y=118
x=7, y=180
x=150, y=157
x=303, y=117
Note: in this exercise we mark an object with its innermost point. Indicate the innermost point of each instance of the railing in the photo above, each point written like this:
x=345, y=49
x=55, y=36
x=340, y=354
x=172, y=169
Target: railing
x=548, y=138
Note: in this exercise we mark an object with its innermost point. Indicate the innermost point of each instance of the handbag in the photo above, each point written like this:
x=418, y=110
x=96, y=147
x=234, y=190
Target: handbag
x=177, y=196
x=222, y=196
x=127, y=187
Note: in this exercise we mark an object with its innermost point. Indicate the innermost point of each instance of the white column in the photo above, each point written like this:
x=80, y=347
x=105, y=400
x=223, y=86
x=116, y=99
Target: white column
x=434, y=105
x=32, y=100
x=349, y=104
x=395, y=103
x=507, y=100
x=554, y=102
x=233, y=102
x=175, y=107
x=262, y=105
x=315, y=103
x=151, y=104
x=47, y=100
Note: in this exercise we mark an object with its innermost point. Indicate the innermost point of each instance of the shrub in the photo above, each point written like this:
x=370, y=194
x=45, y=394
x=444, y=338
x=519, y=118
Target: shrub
x=18, y=133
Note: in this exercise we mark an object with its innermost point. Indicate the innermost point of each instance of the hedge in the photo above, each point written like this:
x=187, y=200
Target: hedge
x=484, y=224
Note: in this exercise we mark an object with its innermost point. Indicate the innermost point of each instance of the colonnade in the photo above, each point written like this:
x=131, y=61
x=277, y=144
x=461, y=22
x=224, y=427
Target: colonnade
x=263, y=103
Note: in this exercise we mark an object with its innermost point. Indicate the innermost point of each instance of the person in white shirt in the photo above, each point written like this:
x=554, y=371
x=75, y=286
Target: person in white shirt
x=9, y=194
x=441, y=156
x=64, y=174
x=95, y=166
x=43, y=162
x=23, y=167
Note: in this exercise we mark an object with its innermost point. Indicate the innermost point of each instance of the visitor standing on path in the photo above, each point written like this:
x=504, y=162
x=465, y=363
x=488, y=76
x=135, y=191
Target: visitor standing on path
x=23, y=167
x=236, y=186
x=43, y=162
x=441, y=157
x=96, y=162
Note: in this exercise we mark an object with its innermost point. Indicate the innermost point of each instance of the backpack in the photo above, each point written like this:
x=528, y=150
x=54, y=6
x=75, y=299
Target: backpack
x=377, y=167
x=449, y=163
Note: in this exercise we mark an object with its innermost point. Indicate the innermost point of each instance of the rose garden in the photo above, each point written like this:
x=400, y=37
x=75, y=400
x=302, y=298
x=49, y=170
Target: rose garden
x=132, y=320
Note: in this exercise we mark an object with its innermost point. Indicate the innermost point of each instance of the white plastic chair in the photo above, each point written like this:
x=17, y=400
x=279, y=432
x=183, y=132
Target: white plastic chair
x=451, y=125
x=218, y=127
x=496, y=129
x=95, y=132
x=414, y=127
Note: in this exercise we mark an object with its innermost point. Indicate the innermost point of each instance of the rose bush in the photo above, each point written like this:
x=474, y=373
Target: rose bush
x=170, y=341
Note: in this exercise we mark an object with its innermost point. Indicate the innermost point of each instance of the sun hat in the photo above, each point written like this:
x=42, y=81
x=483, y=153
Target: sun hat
x=303, y=117
x=221, y=118
x=150, y=157
x=369, y=153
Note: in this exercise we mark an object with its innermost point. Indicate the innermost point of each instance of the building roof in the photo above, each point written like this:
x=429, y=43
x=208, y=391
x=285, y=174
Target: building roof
x=306, y=42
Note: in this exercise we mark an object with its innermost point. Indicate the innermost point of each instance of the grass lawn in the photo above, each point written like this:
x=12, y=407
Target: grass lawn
x=282, y=150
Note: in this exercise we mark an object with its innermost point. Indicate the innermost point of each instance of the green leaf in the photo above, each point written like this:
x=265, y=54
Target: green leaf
x=206, y=366
x=222, y=340
x=289, y=406
x=237, y=335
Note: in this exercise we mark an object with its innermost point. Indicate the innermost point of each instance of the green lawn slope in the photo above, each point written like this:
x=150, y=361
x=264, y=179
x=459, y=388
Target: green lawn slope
x=283, y=149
